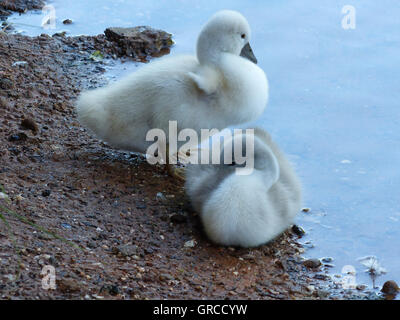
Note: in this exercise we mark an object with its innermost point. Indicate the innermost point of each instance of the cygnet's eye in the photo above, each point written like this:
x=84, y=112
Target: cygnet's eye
x=243, y=35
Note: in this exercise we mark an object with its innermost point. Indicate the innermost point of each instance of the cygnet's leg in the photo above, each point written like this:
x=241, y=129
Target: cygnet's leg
x=177, y=173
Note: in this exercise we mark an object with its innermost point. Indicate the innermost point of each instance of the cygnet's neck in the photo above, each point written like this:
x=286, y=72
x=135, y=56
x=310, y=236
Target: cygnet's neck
x=210, y=50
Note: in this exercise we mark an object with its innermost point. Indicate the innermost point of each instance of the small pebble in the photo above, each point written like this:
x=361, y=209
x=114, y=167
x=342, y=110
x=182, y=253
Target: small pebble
x=299, y=231
x=166, y=276
x=190, y=244
x=329, y=265
x=67, y=21
x=18, y=137
x=327, y=259
x=312, y=263
x=311, y=288
x=306, y=209
x=29, y=124
x=321, y=276
x=111, y=289
x=361, y=287
x=46, y=193
x=160, y=196
x=66, y=226
x=68, y=285
x=19, y=63
x=126, y=250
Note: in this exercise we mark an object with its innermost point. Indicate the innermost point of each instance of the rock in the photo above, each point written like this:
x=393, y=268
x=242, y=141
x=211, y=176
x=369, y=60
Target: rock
x=248, y=256
x=126, y=250
x=329, y=265
x=19, y=6
x=60, y=34
x=178, y=218
x=306, y=209
x=189, y=244
x=66, y=226
x=148, y=250
x=19, y=63
x=139, y=42
x=327, y=260
x=44, y=236
x=310, y=288
x=29, y=124
x=166, y=276
x=68, y=285
x=160, y=196
x=57, y=156
x=299, y=231
x=361, y=287
x=321, y=276
x=312, y=263
x=18, y=137
x=390, y=287
x=67, y=21
x=111, y=289
x=91, y=245
x=46, y=193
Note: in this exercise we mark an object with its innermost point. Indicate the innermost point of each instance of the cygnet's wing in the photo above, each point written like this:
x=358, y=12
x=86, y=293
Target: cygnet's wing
x=206, y=79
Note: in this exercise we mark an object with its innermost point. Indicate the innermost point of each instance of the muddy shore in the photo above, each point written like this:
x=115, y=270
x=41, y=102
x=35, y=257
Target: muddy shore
x=7, y=7
x=138, y=237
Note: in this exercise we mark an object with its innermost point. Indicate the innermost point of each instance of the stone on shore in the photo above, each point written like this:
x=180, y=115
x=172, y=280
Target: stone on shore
x=139, y=42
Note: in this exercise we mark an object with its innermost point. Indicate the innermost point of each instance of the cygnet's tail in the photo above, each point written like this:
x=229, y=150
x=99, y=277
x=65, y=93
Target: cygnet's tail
x=91, y=111
x=238, y=213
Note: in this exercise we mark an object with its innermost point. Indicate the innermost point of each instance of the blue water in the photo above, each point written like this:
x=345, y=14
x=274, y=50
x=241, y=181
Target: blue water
x=334, y=105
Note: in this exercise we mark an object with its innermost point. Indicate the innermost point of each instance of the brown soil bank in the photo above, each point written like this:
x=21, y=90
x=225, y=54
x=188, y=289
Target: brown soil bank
x=138, y=237
x=9, y=6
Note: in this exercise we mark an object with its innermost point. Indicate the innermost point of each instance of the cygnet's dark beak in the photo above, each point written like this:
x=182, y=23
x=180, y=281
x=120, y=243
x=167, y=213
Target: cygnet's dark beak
x=247, y=52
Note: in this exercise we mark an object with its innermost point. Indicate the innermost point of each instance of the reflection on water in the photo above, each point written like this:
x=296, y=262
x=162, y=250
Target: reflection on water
x=333, y=107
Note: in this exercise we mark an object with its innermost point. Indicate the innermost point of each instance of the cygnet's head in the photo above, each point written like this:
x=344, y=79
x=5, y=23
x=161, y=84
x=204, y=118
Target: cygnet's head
x=226, y=32
x=246, y=151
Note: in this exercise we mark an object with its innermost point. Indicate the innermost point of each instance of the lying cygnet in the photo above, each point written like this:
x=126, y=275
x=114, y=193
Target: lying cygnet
x=217, y=88
x=246, y=210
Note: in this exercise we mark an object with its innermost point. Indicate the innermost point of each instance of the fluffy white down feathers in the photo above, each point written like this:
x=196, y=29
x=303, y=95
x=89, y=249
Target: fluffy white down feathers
x=250, y=210
x=215, y=89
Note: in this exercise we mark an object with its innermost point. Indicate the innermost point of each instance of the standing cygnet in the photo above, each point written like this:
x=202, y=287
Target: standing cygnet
x=246, y=210
x=217, y=88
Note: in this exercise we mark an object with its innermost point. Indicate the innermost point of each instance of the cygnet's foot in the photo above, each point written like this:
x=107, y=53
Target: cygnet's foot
x=177, y=173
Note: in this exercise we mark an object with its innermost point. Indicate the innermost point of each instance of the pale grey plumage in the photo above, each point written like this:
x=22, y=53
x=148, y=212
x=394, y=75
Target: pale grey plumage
x=248, y=210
